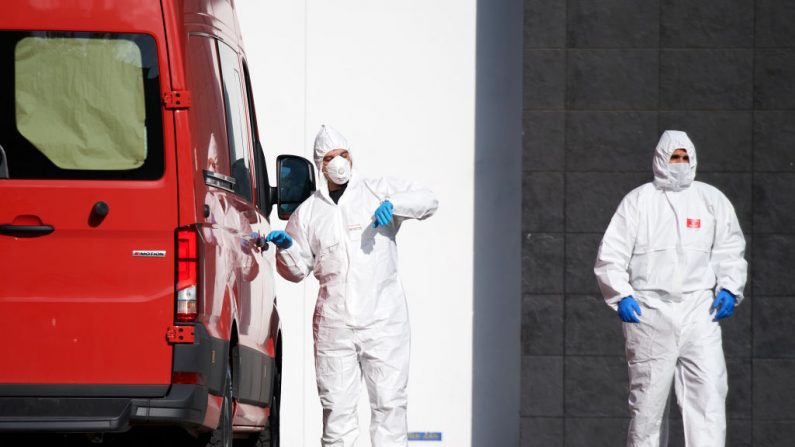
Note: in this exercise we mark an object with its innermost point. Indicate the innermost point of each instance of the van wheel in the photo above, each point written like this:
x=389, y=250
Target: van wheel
x=222, y=436
x=274, y=419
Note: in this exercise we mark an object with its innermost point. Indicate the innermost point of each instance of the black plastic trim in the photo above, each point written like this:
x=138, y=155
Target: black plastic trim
x=219, y=181
x=183, y=406
x=254, y=377
x=207, y=356
x=81, y=390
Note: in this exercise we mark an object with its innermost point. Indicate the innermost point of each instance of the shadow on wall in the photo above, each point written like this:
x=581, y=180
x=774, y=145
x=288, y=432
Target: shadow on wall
x=496, y=325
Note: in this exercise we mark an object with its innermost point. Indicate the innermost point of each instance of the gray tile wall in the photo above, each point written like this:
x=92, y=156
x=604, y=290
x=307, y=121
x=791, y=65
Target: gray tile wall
x=602, y=80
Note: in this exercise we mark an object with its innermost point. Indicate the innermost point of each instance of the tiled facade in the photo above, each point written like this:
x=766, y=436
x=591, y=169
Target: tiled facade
x=602, y=80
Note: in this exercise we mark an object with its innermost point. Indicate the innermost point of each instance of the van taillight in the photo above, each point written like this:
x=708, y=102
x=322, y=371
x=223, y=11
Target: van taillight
x=187, y=274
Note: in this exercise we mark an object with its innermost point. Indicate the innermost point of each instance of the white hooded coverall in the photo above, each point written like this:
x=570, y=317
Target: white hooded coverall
x=361, y=325
x=672, y=244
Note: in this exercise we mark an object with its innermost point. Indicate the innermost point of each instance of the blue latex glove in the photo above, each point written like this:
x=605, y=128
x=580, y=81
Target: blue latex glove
x=723, y=306
x=383, y=214
x=280, y=239
x=627, y=308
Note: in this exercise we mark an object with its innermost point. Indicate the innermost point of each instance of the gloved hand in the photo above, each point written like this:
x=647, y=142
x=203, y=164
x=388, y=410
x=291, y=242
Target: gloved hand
x=252, y=239
x=627, y=308
x=723, y=306
x=258, y=241
x=280, y=239
x=383, y=214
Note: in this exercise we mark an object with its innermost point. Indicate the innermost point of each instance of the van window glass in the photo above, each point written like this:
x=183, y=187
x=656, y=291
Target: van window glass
x=236, y=126
x=260, y=165
x=80, y=106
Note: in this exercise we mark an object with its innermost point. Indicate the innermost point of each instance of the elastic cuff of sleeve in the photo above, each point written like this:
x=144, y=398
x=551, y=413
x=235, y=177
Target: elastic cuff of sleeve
x=613, y=302
x=738, y=296
x=287, y=255
x=395, y=206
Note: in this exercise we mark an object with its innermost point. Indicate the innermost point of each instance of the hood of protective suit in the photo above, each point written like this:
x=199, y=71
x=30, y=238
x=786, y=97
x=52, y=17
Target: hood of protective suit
x=663, y=177
x=327, y=140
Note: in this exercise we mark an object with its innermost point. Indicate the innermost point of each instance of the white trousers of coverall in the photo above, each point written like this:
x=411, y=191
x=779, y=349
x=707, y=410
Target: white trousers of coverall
x=676, y=342
x=380, y=354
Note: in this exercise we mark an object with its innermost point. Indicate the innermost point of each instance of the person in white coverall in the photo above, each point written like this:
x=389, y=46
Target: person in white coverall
x=345, y=233
x=671, y=263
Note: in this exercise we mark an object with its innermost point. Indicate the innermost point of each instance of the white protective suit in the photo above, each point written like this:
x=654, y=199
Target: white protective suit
x=672, y=245
x=361, y=325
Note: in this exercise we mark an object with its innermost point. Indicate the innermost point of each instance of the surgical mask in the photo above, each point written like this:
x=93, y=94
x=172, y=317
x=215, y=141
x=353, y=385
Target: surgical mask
x=338, y=170
x=680, y=173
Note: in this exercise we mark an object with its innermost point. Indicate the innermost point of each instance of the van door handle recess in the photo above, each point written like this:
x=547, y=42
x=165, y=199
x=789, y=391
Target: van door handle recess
x=26, y=230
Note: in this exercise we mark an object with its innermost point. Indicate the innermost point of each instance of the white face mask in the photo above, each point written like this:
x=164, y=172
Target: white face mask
x=338, y=170
x=679, y=172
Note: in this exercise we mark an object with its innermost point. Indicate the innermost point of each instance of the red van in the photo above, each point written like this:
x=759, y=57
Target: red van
x=131, y=180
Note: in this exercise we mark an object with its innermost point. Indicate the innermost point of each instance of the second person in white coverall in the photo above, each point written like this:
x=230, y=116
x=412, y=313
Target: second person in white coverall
x=671, y=262
x=345, y=233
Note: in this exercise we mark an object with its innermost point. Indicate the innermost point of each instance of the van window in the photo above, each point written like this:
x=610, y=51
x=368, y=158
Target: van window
x=236, y=126
x=80, y=106
x=260, y=166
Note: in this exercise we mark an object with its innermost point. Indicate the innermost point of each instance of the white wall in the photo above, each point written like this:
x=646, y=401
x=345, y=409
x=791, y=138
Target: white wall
x=398, y=80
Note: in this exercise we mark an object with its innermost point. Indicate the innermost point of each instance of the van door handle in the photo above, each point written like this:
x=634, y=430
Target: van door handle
x=26, y=230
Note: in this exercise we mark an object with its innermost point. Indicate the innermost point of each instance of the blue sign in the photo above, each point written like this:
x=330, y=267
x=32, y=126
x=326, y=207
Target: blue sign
x=425, y=436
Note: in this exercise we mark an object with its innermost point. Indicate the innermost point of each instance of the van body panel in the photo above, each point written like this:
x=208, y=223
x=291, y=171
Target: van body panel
x=73, y=15
x=214, y=17
x=242, y=274
x=89, y=304
x=79, y=310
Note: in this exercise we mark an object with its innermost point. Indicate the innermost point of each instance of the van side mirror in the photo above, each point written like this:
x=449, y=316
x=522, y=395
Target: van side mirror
x=295, y=183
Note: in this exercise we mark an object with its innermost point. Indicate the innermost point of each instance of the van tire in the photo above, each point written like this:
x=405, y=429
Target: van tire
x=274, y=418
x=222, y=436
